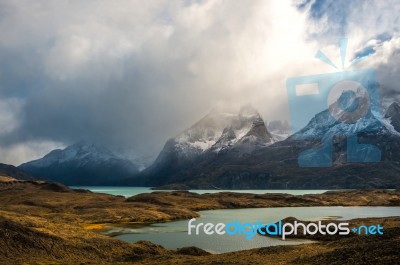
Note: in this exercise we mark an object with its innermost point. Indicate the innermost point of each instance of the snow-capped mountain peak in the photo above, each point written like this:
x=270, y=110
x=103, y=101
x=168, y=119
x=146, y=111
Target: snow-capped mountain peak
x=394, y=109
x=82, y=163
x=221, y=130
x=81, y=151
x=350, y=114
x=393, y=116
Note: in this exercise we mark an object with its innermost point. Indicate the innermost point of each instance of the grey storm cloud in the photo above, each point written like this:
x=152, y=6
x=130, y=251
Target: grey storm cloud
x=131, y=74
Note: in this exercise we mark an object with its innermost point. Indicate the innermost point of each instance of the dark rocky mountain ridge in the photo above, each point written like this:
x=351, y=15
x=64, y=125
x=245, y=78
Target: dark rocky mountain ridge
x=275, y=166
x=81, y=164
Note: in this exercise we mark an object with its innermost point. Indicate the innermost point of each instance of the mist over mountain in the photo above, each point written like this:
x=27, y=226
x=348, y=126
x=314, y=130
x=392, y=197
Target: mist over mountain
x=135, y=75
x=393, y=116
x=207, y=156
x=83, y=163
x=235, y=133
x=279, y=128
x=236, y=150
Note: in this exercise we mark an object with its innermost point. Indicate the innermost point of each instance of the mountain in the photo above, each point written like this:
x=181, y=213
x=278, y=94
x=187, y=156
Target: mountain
x=393, y=116
x=218, y=133
x=81, y=164
x=279, y=129
x=221, y=131
x=14, y=172
x=210, y=155
x=339, y=124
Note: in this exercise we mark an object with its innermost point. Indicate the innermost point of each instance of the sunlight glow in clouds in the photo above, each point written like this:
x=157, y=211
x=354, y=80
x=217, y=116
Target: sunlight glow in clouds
x=133, y=73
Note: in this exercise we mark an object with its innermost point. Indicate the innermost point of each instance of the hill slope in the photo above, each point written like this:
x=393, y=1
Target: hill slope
x=81, y=164
x=276, y=166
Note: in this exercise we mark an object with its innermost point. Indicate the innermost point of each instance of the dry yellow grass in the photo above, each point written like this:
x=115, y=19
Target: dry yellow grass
x=42, y=223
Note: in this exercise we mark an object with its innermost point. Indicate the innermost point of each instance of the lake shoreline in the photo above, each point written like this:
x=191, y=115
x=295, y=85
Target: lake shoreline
x=127, y=191
x=45, y=222
x=174, y=235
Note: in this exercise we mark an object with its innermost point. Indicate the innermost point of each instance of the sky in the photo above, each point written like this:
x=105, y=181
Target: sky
x=131, y=74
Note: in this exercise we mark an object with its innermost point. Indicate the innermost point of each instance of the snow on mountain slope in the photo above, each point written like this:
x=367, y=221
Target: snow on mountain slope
x=337, y=121
x=280, y=130
x=234, y=134
x=81, y=164
x=82, y=152
x=263, y=168
x=392, y=118
x=219, y=131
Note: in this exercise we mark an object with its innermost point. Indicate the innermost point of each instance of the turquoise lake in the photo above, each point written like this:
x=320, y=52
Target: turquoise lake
x=131, y=191
x=174, y=235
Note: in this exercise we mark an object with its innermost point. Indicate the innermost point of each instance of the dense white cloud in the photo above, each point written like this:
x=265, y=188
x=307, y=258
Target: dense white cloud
x=133, y=73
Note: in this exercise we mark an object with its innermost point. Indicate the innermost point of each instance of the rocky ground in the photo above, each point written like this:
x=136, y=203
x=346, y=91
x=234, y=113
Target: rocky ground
x=42, y=223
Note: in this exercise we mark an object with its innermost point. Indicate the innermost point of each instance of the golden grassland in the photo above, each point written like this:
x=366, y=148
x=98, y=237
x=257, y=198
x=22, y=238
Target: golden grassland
x=48, y=223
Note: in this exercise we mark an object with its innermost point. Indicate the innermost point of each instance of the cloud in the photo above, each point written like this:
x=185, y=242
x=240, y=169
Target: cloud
x=10, y=110
x=19, y=153
x=130, y=74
